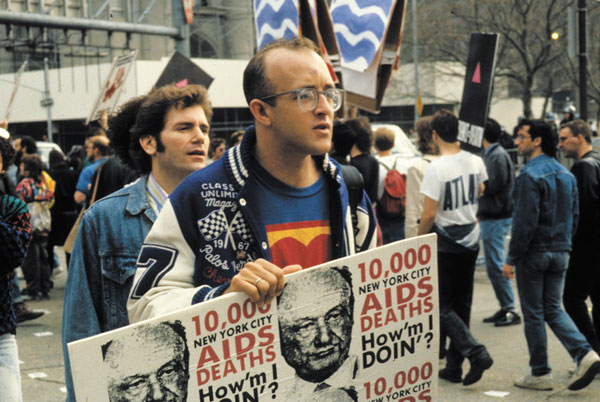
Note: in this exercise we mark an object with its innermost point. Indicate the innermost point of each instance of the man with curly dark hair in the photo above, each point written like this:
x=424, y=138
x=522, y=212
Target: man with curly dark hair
x=163, y=135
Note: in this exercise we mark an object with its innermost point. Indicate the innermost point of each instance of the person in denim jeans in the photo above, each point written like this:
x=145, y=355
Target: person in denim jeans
x=495, y=211
x=544, y=221
x=583, y=275
x=164, y=135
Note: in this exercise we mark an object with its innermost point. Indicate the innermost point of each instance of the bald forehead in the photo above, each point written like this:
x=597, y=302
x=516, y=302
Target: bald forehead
x=322, y=284
x=146, y=340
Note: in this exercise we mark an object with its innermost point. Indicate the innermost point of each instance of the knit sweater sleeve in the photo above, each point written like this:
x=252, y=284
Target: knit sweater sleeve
x=15, y=232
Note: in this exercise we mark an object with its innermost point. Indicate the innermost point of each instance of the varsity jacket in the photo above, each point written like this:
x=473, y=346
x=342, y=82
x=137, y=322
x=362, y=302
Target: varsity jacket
x=211, y=227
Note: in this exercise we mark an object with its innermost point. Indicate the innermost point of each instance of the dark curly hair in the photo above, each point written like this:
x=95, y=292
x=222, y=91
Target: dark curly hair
x=34, y=166
x=8, y=153
x=145, y=115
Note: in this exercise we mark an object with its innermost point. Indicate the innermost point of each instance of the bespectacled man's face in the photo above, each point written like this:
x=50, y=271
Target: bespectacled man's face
x=524, y=142
x=299, y=131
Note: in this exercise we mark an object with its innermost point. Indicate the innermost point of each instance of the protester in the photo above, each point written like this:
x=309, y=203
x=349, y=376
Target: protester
x=164, y=135
x=232, y=227
x=64, y=211
x=544, y=222
x=216, y=149
x=583, y=276
x=361, y=158
x=414, y=176
x=495, y=211
x=392, y=225
x=37, y=190
x=451, y=186
x=14, y=240
x=98, y=152
x=236, y=138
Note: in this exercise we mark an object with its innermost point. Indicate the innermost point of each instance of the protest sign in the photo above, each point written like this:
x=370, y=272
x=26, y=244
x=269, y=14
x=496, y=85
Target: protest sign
x=477, y=90
x=361, y=328
x=316, y=25
x=369, y=39
x=15, y=89
x=113, y=85
x=182, y=71
x=275, y=19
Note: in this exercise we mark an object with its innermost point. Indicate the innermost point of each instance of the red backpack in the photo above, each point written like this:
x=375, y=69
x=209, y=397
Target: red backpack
x=393, y=201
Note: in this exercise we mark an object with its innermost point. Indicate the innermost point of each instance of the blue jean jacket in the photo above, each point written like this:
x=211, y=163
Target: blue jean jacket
x=546, y=209
x=102, y=266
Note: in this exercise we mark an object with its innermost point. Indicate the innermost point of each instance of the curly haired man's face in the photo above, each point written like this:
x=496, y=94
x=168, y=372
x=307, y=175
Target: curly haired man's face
x=185, y=138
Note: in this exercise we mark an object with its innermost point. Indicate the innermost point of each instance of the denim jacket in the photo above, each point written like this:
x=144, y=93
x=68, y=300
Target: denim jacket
x=102, y=266
x=546, y=209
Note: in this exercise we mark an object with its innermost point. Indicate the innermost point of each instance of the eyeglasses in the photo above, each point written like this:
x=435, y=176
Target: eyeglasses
x=521, y=137
x=308, y=98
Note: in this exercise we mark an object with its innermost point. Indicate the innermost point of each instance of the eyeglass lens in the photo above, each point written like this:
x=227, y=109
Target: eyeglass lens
x=308, y=98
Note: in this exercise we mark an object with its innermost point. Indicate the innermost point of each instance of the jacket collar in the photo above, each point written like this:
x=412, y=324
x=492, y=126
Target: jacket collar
x=239, y=158
x=138, y=202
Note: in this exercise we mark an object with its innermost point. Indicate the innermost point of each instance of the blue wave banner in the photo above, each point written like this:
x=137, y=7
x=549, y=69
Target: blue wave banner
x=360, y=27
x=275, y=19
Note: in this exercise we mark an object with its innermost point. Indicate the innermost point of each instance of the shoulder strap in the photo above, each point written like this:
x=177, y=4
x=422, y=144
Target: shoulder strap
x=355, y=185
x=93, y=199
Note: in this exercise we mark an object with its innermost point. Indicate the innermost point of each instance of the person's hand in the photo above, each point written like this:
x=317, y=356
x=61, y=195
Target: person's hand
x=508, y=271
x=103, y=121
x=261, y=280
x=4, y=123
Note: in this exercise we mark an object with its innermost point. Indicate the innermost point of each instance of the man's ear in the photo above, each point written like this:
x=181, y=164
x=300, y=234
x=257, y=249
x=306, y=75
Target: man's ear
x=537, y=141
x=148, y=144
x=260, y=111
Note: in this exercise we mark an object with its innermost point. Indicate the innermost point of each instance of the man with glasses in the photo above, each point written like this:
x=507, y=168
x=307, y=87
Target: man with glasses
x=270, y=206
x=544, y=221
x=583, y=275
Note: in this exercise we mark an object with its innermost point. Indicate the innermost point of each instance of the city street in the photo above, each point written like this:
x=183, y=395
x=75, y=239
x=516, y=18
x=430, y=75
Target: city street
x=42, y=369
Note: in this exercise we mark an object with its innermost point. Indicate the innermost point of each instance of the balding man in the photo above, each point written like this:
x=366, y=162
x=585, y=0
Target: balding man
x=315, y=337
x=148, y=364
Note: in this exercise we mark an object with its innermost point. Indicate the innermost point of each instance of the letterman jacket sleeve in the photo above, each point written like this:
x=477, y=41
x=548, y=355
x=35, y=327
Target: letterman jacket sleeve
x=164, y=279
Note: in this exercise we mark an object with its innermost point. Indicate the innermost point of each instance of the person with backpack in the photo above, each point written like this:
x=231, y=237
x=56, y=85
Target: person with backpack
x=391, y=188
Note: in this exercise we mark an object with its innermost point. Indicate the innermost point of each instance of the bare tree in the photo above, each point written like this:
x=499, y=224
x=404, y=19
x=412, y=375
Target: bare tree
x=526, y=48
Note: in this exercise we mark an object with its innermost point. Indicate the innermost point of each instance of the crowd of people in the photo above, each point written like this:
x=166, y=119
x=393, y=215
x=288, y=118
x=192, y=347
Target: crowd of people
x=153, y=186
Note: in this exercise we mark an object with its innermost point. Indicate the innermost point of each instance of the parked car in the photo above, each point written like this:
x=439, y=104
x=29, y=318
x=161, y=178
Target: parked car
x=403, y=146
x=44, y=149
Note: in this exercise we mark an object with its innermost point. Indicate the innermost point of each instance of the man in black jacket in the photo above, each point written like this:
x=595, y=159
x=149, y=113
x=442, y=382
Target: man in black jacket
x=583, y=274
x=495, y=215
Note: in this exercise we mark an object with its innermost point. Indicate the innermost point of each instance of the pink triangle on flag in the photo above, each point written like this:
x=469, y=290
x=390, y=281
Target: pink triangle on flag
x=477, y=74
x=182, y=83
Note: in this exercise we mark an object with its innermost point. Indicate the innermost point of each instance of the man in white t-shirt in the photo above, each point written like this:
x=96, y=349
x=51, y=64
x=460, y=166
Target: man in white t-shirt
x=451, y=186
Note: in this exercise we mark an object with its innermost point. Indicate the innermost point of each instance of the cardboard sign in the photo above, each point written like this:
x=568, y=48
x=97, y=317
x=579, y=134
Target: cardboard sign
x=15, y=89
x=181, y=71
x=275, y=19
x=316, y=25
x=113, y=85
x=477, y=90
x=369, y=41
x=188, y=10
x=364, y=327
